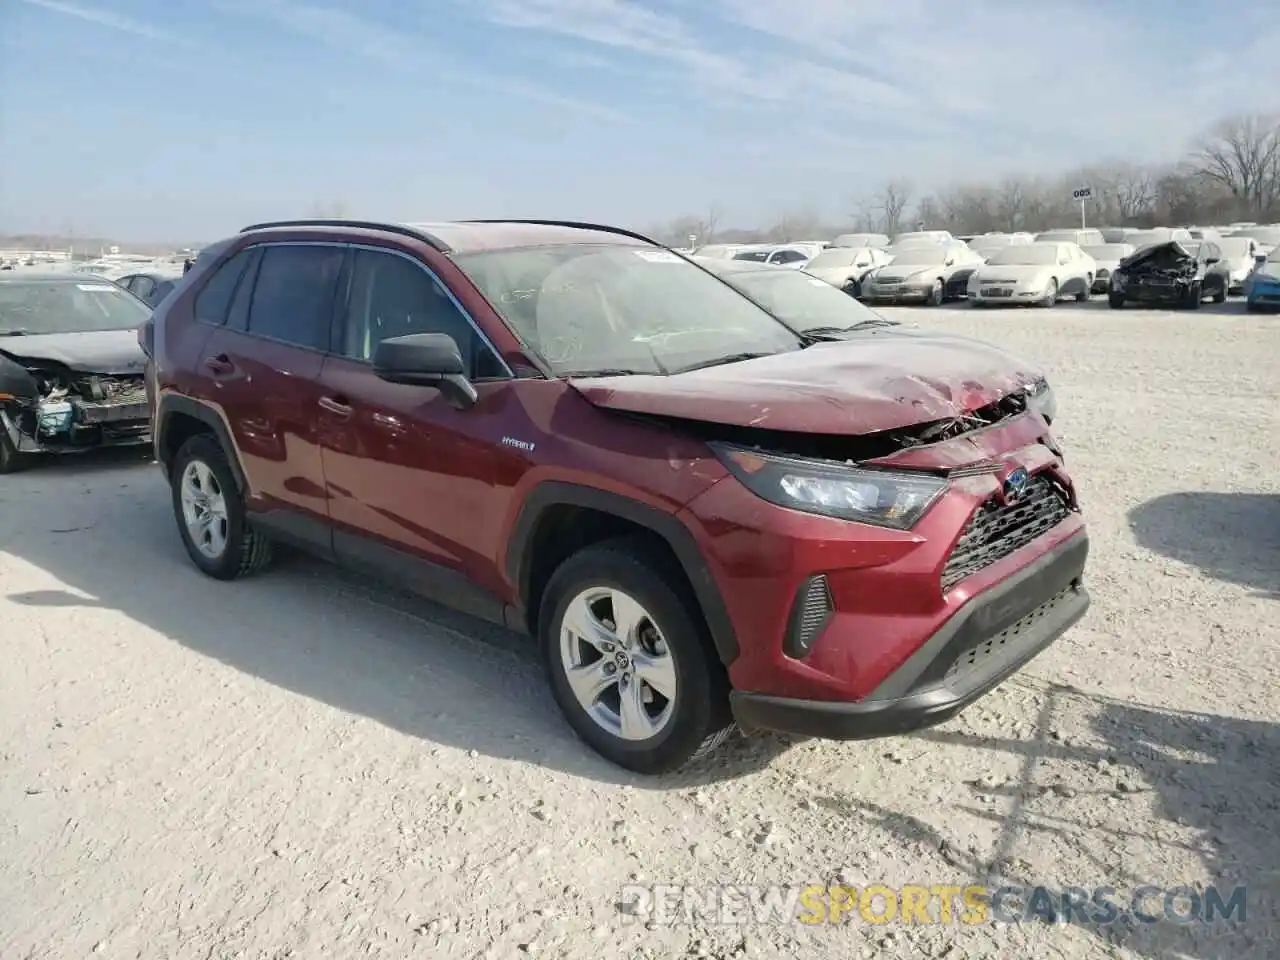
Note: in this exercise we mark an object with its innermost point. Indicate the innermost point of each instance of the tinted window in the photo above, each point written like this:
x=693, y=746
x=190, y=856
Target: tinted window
x=293, y=295
x=213, y=301
x=142, y=286
x=394, y=297
x=788, y=256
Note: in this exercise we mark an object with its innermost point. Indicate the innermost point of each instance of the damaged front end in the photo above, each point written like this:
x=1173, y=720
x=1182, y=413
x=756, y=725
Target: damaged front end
x=46, y=407
x=1165, y=272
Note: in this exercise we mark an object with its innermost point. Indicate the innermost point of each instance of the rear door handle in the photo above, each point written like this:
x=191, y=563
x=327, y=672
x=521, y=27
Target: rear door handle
x=336, y=407
x=220, y=364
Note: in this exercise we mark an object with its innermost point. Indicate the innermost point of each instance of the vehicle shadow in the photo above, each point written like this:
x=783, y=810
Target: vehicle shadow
x=1215, y=778
x=338, y=638
x=1233, y=537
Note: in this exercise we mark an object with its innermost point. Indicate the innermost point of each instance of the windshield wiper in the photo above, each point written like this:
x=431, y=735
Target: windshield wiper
x=606, y=372
x=720, y=361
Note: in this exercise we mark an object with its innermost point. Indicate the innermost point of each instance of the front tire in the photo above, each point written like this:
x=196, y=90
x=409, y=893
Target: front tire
x=937, y=293
x=1115, y=301
x=1086, y=291
x=1195, y=297
x=211, y=515
x=1050, y=294
x=629, y=660
x=11, y=461
x=1221, y=295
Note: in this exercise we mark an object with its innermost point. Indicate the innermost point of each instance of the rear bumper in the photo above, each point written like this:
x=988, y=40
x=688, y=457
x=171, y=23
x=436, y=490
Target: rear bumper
x=993, y=636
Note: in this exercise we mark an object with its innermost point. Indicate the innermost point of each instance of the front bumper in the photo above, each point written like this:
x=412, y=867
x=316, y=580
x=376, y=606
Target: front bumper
x=896, y=293
x=1265, y=295
x=993, y=636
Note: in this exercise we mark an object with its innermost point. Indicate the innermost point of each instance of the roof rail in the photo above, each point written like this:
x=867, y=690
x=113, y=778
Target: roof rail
x=403, y=229
x=603, y=228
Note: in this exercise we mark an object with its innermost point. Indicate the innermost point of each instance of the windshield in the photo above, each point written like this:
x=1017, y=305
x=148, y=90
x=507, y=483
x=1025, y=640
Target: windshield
x=61, y=306
x=803, y=303
x=591, y=308
x=921, y=256
x=1025, y=255
x=843, y=257
x=1236, y=247
x=1108, y=251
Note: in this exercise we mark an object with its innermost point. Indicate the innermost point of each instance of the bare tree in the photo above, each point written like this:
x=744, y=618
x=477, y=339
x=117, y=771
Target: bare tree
x=892, y=203
x=1243, y=155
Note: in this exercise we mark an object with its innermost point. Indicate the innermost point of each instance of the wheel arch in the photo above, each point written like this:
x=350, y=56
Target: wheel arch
x=551, y=503
x=179, y=418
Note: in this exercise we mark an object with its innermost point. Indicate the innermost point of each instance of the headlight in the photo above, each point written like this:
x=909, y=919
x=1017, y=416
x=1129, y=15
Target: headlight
x=1040, y=398
x=879, y=497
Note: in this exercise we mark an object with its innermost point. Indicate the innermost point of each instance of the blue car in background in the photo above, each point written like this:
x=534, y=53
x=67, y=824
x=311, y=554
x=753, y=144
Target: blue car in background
x=1262, y=288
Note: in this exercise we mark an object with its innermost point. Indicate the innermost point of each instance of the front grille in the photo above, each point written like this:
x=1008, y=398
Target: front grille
x=975, y=657
x=887, y=281
x=997, y=529
x=809, y=615
x=998, y=291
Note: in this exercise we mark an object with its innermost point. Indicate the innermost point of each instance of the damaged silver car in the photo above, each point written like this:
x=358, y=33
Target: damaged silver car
x=71, y=368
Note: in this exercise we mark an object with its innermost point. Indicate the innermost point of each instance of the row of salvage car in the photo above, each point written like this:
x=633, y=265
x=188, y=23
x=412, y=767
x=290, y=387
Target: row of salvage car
x=1169, y=266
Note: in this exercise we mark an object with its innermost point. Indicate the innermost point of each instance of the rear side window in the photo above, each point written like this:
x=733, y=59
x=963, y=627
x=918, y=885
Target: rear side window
x=293, y=295
x=214, y=300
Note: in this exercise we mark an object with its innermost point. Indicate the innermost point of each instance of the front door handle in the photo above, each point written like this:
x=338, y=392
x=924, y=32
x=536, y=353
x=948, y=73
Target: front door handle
x=336, y=407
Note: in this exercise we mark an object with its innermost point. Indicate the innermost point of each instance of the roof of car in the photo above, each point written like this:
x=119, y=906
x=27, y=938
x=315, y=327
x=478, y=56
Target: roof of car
x=47, y=276
x=476, y=236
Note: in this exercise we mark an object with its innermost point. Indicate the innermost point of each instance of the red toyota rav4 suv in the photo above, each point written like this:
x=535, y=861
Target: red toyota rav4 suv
x=702, y=514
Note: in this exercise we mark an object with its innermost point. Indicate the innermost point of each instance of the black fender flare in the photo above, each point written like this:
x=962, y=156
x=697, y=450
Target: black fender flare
x=519, y=559
x=171, y=404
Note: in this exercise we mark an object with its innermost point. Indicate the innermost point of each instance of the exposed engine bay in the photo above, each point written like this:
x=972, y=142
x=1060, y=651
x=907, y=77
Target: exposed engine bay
x=1170, y=263
x=49, y=408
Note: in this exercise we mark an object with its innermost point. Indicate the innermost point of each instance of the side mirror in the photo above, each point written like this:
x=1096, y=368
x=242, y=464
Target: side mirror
x=951, y=262
x=425, y=360
x=1212, y=260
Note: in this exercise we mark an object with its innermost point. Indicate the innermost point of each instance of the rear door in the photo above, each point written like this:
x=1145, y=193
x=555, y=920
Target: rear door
x=406, y=471
x=264, y=365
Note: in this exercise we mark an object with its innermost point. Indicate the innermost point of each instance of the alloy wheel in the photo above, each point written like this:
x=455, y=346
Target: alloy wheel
x=204, y=509
x=618, y=664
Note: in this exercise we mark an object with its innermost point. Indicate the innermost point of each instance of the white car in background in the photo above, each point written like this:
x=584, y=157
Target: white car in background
x=1205, y=233
x=1267, y=238
x=933, y=236
x=919, y=273
x=872, y=240
x=844, y=267
x=1106, y=257
x=1033, y=274
x=1241, y=255
x=1081, y=238
x=794, y=255
x=1145, y=238
x=721, y=251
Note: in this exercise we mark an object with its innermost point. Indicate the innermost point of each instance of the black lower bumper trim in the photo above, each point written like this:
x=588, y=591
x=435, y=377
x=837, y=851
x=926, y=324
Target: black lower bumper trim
x=990, y=639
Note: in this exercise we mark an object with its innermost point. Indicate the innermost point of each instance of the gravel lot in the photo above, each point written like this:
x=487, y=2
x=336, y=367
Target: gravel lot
x=306, y=765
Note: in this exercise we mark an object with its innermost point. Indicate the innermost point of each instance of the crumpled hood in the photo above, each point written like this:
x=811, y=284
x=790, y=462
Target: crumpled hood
x=108, y=352
x=859, y=386
x=1161, y=256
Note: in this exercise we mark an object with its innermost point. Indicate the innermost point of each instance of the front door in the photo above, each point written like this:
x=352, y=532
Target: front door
x=407, y=473
x=265, y=364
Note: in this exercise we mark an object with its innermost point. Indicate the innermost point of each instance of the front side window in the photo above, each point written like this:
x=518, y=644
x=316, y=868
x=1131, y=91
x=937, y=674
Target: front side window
x=294, y=292
x=82, y=305
x=394, y=297
x=214, y=299
x=590, y=308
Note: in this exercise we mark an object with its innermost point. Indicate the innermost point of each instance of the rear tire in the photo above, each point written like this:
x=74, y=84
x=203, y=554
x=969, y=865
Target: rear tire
x=600, y=590
x=11, y=461
x=1086, y=291
x=211, y=515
